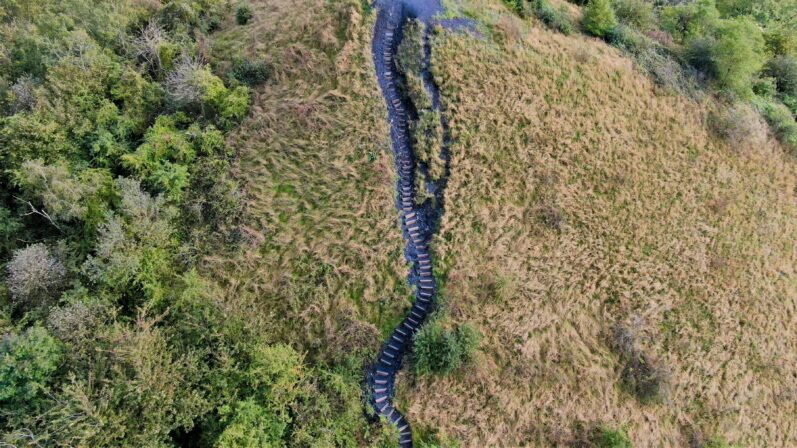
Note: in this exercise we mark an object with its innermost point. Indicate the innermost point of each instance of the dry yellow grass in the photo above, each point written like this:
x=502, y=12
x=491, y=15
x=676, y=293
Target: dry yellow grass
x=661, y=225
x=580, y=196
x=323, y=268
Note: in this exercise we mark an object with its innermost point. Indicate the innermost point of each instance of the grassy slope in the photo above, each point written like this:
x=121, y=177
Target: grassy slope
x=322, y=268
x=660, y=221
x=664, y=227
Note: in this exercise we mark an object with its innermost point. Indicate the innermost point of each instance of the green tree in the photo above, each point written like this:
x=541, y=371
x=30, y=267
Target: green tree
x=27, y=365
x=739, y=54
x=690, y=20
x=599, y=18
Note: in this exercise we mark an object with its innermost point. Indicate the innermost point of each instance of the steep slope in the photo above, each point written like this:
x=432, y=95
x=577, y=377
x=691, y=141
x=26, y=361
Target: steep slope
x=585, y=208
x=592, y=218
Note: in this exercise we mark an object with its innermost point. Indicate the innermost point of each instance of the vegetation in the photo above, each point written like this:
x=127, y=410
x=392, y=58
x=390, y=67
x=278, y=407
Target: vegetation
x=591, y=196
x=745, y=50
x=199, y=243
x=610, y=438
x=122, y=222
x=440, y=350
x=599, y=19
x=243, y=14
x=557, y=19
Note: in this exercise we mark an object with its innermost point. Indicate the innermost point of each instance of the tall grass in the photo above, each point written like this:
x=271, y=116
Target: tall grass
x=664, y=220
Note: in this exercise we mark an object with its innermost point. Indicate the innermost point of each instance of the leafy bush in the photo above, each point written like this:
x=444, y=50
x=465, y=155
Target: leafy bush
x=35, y=276
x=27, y=365
x=606, y=437
x=438, y=350
x=784, y=70
x=689, y=20
x=556, y=19
x=765, y=87
x=10, y=229
x=738, y=54
x=718, y=442
x=135, y=250
x=782, y=122
x=251, y=73
x=252, y=426
x=790, y=102
x=243, y=14
x=740, y=125
x=641, y=376
x=780, y=40
x=65, y=195
x=628, y=39
x=599, y=18
x=23, y=95
x=666, y=71
x=700, y=55
x=635, y=13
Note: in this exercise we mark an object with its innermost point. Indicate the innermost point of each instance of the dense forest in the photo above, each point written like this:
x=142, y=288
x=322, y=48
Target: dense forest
x=115, y=182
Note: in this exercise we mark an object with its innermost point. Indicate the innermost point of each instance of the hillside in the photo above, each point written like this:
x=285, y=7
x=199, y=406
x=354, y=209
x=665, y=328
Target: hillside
x=609, y=268
x=583, y=197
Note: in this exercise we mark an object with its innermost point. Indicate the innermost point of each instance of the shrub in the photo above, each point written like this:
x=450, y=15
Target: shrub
x=556, y=19
x=76, y=322
x=700, y=55
x=606, y=437
x=718, y=442
x=765, y=87
x=667, y=72
x=783, y=125
x=152, y=48
x=23, y=95
x=27, y=364
x=599, y=18
x=689, y=20
x=438, y=350
x=66, y=196
x=784, y=70
x=641, y=376
x=740, y=125
x=780, y=40
x=134, y=254
x=635, y=13
x=739, y=54
x=251, y=73
x=790, y=102
x=243, y=14
x=182, y=83
x=234, y=106
x=252, y=426
x=628, y=39
x=10, y=228
x=35, y=276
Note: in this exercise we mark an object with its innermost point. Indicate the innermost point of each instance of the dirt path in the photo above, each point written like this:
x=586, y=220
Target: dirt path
x=419, y=221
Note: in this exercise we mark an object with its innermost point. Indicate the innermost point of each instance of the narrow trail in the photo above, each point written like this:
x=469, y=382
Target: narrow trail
x=418, y=221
